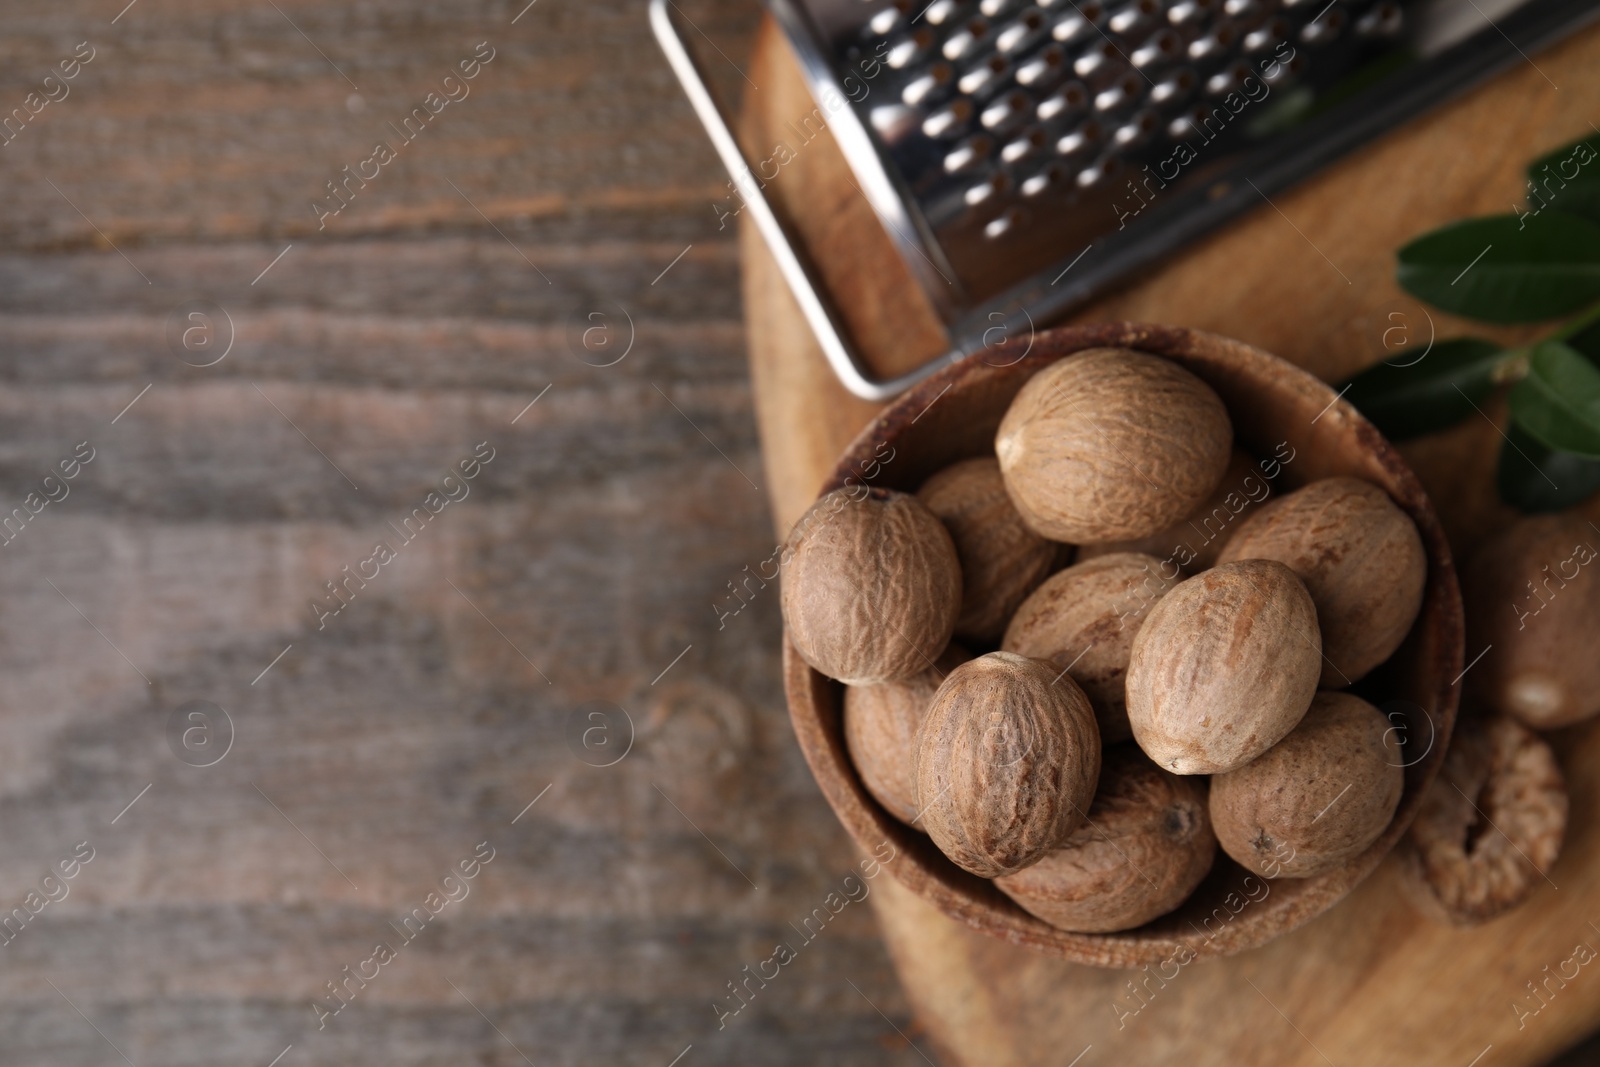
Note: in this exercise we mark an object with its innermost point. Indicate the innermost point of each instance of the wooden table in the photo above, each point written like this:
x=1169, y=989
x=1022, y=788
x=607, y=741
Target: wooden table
x=370, y=757
x=1310, y=277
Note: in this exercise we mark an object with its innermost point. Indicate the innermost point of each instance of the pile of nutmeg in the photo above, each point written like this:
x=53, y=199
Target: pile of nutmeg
x=1094, y=731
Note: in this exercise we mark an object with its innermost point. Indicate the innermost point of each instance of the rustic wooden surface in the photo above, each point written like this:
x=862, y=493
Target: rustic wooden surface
x=1310, y=277
x=375, y=754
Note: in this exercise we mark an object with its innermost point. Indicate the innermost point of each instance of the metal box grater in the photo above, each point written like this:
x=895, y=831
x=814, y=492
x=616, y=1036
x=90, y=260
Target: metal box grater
x=1023, y=155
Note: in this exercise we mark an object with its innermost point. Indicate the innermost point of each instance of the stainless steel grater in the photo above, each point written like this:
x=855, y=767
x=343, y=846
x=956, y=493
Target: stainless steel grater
x=1023, y=155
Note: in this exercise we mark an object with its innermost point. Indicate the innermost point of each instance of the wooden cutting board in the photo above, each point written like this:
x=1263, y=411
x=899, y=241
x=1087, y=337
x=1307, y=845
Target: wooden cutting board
x=1308, y=276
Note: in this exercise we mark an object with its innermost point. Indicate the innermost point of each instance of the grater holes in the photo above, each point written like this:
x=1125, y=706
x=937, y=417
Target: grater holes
x=1021, y=32
x=1384, y=20
x=1078, y=23
x=892, y=121
x=1005, y=110
x=1241, y=8
x=1188, y=12
x=1069, y=98
x=996, y=8
x=1053, y=174
x=1098, y=62
x=1214, y=44
x=1134, y=16
x=965, y=40
x=1266, y=36
x=1044, y=68
x=1031, y=143
x=1324, y=29
x=908, y=48
x=1098, y=172
x=1137, y=130
x=1123, y=92
x=884, y=21
x=995, y=185
x=1228, y=79
x=948, y=121
x=985, y=76
x=1000, y=226
x=969, y=154
x=1079, y=140
x=1174, y=87
x=925, y=87
x=1161, y=47
x=940, y=11
x=1071, y=27
x=1284, y=72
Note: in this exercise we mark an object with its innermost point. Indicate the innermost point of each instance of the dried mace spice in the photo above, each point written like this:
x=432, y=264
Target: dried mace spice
x=1110, y=445
x=880, y=730
x=1361, y=559
x=1007, y=762
x=1225, y=665
x=1533, y=597
x=1315, y=800
x=1084, y=619
x=1001, y=559
x=1490, y=827
x=1146, y=844
x=871, y=587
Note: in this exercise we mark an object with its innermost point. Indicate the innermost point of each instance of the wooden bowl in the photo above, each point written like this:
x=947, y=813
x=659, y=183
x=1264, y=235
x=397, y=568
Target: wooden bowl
x=954, y=416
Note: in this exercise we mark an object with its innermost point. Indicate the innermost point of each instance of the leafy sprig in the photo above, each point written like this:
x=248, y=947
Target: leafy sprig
x=1507, y=269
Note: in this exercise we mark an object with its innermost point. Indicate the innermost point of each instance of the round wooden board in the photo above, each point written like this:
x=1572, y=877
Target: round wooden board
x=1309, y=277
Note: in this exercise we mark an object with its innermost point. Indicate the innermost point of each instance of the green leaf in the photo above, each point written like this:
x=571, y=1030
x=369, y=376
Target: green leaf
x=1415, y=395
x=1587, y=342
x=1568, y=179
x=1504, y=268
x=1559, y=401
x=1534, y=479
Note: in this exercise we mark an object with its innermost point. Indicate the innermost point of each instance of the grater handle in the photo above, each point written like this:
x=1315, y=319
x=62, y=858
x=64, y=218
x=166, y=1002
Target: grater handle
x=841, y=356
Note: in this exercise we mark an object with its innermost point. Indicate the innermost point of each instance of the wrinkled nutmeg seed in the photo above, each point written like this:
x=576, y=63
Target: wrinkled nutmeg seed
x=1315, y=800
x=1001, y=559
x=1533, y=597
x=1193, y=543
x=1491, y=825
x=1007, y=762
x=1083, y=620
x=1361, y=559
x=1146, y=844
x=1225, y=665
x=872, y=586
x=1111, y=444
x=880, y=730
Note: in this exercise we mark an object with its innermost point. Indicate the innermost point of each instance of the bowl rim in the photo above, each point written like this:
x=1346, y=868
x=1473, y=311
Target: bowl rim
x=812, y=698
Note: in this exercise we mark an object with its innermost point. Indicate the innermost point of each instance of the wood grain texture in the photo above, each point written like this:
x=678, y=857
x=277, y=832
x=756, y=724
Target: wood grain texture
x=590, y=554
x=1310, y=278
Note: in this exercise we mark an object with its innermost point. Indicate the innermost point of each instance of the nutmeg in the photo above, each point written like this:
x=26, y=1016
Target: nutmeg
x=880, y=730
x=1083, y=621
x=1111, y=444
x=1007, y=762
x=1490, y=826
x=1315, y=800
x=1225, y=665
x=871, y=586
x=1361, y=559
x=1533, y=599
x=1146, y=844
x=1001, y=559
x=1194, y=542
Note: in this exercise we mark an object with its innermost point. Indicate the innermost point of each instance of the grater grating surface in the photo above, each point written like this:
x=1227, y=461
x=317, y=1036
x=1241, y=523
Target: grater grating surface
x=1024, y=155
x=1020, y=131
